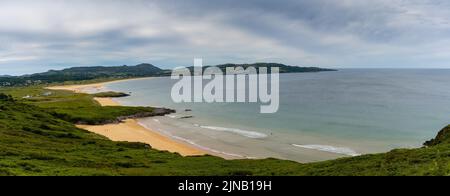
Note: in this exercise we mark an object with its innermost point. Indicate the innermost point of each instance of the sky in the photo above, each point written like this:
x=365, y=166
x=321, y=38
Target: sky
x=38, y=35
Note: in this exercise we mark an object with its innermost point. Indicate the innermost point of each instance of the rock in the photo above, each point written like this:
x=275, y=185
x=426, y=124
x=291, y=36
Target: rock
x=155, y=112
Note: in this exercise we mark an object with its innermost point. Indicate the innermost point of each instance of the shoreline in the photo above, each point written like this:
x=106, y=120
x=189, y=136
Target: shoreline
x=81, y=88
x=130, y=130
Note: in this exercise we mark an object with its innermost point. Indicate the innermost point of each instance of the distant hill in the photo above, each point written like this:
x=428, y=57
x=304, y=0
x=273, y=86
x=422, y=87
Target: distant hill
x=83, y=73
x=283, y=68
x=119, y=72
x=79, y=73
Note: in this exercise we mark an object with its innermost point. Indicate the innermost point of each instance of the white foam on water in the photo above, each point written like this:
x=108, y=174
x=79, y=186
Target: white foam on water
x=245, y=133
x=332, y=149
x=198, y=145
x=171, y=116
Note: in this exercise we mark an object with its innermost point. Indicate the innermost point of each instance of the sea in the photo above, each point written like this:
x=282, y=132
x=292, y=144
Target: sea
x=321, y=116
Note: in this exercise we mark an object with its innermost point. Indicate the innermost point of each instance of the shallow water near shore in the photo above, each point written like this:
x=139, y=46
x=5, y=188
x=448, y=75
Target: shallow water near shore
x=322, y=115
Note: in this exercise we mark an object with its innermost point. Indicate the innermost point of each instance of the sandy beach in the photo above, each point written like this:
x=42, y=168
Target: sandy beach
x=106, y=101
x=82, y=88
x=130, y=130
x=79, y=88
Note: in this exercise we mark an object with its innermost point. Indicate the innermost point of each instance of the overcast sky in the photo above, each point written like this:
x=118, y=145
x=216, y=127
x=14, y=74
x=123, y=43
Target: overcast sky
x=39, y=35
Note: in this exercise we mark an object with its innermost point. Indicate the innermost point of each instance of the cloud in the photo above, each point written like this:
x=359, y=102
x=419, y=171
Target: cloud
x=17, y=58
x=37, y=35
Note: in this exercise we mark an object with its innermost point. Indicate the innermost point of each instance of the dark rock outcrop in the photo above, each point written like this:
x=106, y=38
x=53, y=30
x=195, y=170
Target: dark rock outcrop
x=155, y=112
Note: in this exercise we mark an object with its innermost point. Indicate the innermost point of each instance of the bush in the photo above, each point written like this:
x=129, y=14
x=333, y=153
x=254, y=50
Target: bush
x=4, y=97
x=133, y=145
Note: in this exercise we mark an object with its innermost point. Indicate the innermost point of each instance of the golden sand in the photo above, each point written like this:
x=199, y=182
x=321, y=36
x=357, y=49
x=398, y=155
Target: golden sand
x=106, y=101
x=130, y=130
x=78, y=88
x=81, y=88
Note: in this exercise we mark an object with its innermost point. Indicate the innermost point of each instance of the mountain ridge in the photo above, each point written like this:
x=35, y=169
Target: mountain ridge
x=126, y=71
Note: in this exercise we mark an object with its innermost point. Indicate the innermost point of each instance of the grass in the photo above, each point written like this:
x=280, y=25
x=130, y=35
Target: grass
x=35, y=141
x=72, y=107
x=110, y=94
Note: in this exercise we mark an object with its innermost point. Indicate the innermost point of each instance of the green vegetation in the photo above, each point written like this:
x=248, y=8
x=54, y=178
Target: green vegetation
x=110, y=94
x=90, y=74
x=35, y=141
x=82, y=74
x=283, y=68
x=442, y=138
x=78, y=108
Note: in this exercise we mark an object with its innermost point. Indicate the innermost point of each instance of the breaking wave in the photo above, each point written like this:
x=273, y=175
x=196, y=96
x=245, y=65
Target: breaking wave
x=332, y=149
x=245, y=133
x=197, y=145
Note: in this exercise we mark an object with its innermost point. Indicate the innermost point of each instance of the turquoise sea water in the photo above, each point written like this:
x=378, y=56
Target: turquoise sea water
x=322, y=115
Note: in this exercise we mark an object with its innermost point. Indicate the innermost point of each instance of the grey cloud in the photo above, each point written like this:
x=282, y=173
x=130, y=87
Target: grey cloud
x=329, y=33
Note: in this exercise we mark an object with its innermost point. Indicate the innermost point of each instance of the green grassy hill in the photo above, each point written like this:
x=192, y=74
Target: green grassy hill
x=111, y=94
x=282, y=68
x=100, y=73
x=35, y=139
x=82, y=74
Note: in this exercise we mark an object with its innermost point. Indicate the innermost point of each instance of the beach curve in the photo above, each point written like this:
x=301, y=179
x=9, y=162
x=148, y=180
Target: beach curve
x=130, y=130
